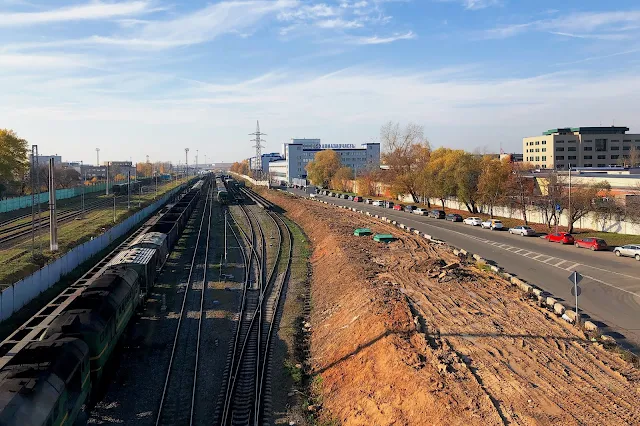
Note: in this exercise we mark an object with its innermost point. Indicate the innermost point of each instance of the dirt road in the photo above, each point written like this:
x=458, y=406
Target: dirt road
x=399, y=338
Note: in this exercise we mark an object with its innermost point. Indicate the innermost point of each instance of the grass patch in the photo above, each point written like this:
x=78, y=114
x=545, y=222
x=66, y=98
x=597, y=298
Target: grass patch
x=294, y=371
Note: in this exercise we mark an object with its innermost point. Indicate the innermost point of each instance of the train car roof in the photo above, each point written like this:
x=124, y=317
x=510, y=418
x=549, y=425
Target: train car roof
x=149, y=238
x=96, y=305
x=32, y=382
x=135, y=255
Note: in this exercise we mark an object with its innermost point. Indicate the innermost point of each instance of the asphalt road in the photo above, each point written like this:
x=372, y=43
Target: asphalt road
x=610, y=287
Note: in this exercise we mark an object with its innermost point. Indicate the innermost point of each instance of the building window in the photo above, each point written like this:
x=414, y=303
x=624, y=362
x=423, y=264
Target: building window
x=602, y=157
x=627, y=140
x=537, y=149
x=573, y=165
x=571, y=157
x=544, y=149
x=537, y=158
x=559, y=157
x=615, y=140
x=587, y=148
x=559, y=141
x=537, y=142
x=588, y=165
x=626, y=156
x=544, y=158
x=601, y=165
x=544, y=142
x=626, y=148
x=615, y=148
x=615, y=157
x=572, y=141
x=588, y=157
x=571, y=148
x=601, y=145
x=559, y=149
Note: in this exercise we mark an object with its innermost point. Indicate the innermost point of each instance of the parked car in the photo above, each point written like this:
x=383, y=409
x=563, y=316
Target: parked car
x=346, y=196
x=378, y=203
x=388, y=204
x=409, y=208
x=454, y=217
x=420, y=211
x=522, y=230
x=350, y=198
x=560, y=237
x=594, y=244
x=332, y=194
x=629, y=250
x=474, y=221
x=398, y=207
x=357, y=199
x=368, y=201
x=492, y=224
x=437, y=214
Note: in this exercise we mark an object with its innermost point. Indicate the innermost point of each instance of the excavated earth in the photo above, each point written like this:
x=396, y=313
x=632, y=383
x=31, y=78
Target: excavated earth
x=403, y=334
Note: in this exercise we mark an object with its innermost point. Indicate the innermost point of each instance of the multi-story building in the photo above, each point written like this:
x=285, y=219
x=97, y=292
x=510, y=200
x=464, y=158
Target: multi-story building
x=299, y=152
x=572, y=147
x=264, y=164
x=43, y=160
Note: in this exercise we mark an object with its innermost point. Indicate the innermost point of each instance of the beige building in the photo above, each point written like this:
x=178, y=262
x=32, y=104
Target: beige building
x=580, y=147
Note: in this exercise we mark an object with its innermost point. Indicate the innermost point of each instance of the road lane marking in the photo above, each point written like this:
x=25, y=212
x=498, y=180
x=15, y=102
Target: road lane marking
x=518, y=251
x=572, y=267
x=557, y=265
x=538, y=256
x=550, y=257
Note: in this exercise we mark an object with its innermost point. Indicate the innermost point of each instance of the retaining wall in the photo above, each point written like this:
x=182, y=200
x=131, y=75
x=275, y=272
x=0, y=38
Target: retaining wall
x=22, y=292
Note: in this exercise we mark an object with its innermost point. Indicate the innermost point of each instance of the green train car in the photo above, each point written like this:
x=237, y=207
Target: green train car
x=100, y=315
x=46, y=383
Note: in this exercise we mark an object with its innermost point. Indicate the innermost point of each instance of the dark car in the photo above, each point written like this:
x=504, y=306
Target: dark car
x=389, y=204
x=437, y=214
x=409, y=209
x=454, y=217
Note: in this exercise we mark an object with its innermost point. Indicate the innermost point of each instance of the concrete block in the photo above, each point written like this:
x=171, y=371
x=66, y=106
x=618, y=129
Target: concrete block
x=415, y=231
x=427, y=236
x=516, y=281
x=481, y=260
x=409, y=229
x=463, y=252
x=537, y=291
x=377, y=216
x=368, y=214
x=384, y=218
x=526, y=288
x=401, y=226
x=551, y=301
x=507, y=276
x=477, y=257
x=589, y=326
x=569, y=316
x=393, y=222
x=495, y=268
x=558, y=308
x=541, y=300
x=456, y=252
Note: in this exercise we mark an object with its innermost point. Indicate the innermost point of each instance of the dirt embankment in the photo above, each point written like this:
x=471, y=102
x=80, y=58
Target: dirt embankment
x=396, y=341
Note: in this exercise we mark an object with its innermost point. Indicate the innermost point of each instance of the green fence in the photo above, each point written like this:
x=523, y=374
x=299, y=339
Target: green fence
x=11, y=204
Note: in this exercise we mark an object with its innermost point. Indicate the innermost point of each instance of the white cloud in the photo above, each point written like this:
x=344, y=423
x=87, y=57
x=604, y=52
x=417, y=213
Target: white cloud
x=94, y=10
x=603, y=25
x=383, y=40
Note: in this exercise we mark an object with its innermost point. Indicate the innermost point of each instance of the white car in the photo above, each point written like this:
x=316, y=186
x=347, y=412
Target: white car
x=420, y=211
x=473, y=221
x=522, y=230
x=378, y=203
x=492, y=224
x=630, y=250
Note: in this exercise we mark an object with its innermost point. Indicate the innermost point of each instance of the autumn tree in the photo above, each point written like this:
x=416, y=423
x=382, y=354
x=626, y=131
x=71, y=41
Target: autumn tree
x=144, y=169
x=324, y=166
x=521, y=187
x=13, y=158
x=467, y=175
x=553, y=194
x=440, y=174
x=492, y=183
x=342, y=179
x=406, y=153
x=119, y=177
x=367, y=181
x=582, y=200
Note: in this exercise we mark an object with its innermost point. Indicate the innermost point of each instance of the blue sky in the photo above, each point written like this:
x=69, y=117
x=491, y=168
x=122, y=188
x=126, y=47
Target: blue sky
x=151, y=77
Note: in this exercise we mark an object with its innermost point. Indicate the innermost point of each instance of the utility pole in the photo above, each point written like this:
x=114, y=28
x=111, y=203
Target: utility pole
x=107, y=193
x=129, y=190
x=35, y=202
x=97, y=157
x=155, y=172
x=225, y=237
x=114, y=207
x=258, y=146
x=84, y=181
x=186, y=161
x=569, y=197
x=196, y=166
x=53, y=225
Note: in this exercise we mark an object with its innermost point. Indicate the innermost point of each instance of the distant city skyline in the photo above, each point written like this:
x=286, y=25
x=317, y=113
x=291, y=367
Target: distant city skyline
x=151, y=77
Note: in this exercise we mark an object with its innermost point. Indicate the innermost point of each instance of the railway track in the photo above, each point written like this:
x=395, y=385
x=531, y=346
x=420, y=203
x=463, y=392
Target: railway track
x=247, y=397
x=177, y=404
x=19, y=231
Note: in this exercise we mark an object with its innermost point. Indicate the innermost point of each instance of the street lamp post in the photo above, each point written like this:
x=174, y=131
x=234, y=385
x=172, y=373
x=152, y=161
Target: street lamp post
x=570, y=197
x=84, y=182
x=186, y=161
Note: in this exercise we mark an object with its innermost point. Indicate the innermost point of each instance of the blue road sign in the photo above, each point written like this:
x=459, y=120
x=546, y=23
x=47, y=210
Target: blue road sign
x=558, y=207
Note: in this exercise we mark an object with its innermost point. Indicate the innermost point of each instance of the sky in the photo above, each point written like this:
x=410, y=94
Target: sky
x=152, y=77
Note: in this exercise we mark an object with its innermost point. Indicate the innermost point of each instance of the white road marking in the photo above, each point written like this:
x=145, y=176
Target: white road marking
x=550, y=258
x=572, y=267
x=557, y=265
x=538, y=256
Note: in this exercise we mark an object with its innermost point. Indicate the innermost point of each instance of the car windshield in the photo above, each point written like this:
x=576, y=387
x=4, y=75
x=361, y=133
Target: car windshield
x=601, y=241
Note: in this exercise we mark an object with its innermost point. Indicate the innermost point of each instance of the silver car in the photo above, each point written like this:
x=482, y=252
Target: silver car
x=629, y=250
x=522, y=230
x=420, y=211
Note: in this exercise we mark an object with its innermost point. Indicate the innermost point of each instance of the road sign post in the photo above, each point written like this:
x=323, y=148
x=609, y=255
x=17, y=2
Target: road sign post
x=575, y=278
x=558, y=209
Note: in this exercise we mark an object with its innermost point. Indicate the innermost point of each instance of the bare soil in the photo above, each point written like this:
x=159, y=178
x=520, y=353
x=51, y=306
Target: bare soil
x=400, y=338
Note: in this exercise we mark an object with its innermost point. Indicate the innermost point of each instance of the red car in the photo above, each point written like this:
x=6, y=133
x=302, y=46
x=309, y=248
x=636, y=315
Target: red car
x=592, y=243
x=357, y=199
x=560, y=237
x=398, y=207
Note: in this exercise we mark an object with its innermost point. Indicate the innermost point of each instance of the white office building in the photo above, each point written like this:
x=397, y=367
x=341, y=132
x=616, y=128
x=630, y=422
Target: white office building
x=299, y=152
x=264, y=164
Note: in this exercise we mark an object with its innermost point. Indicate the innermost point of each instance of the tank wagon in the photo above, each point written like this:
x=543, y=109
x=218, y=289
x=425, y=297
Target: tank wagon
x=48, y=381
x=221, y=188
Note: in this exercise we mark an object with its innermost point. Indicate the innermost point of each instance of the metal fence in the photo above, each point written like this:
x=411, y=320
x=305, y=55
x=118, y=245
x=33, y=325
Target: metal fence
x=22, y=292
x=16, y=203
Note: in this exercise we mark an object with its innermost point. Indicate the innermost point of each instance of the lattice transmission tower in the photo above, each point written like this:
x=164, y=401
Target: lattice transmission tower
x=258, y=146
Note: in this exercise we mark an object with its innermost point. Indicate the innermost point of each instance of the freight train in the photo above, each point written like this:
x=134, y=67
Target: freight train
x=48, y=381
x=221, y=188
